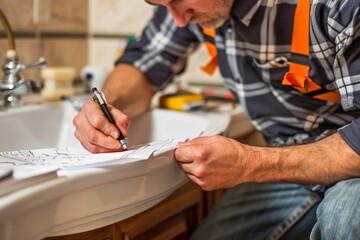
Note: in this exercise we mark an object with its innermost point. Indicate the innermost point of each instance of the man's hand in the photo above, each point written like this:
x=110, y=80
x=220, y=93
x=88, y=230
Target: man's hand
x=219, y=162
x=95, y=132
x=212, y=162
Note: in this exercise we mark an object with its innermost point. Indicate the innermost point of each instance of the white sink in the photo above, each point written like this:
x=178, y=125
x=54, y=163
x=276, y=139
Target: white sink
x=38, y=126
x=91, y=198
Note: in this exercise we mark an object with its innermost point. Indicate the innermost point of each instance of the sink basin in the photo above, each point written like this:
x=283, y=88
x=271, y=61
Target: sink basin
x=38, y=126
x=50, y=125
x=95, y=197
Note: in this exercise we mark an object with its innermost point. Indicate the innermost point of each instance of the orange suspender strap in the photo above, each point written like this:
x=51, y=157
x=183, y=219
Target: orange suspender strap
x=298, y=74
x=210, y=67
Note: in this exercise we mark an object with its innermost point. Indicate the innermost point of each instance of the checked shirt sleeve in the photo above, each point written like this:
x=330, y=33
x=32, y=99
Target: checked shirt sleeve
x=162, y=50
x=344, y=27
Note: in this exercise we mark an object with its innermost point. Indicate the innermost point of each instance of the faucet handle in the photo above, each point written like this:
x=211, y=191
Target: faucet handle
x=39, y=63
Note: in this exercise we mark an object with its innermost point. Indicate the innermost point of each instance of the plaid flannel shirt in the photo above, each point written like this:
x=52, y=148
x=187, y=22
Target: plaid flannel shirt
x=253, y=52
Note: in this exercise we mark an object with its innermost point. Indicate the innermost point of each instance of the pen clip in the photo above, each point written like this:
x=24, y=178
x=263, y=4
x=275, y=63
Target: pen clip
x=96, y=96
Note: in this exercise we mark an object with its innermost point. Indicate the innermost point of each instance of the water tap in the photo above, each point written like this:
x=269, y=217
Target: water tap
x=12, y=84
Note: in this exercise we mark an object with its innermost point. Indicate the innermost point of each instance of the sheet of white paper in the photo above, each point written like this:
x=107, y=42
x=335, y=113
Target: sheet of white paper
x=35, y=166
x=138, y=153
x=65, y=157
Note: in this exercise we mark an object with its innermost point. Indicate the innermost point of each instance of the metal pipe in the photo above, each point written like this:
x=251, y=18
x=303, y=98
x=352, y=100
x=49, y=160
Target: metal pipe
x=8, y=31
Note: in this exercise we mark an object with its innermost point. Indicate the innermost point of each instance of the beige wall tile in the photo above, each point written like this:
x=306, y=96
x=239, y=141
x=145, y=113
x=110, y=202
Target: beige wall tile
x=67, y=15
x=125, y=17
x=19, y=13
x=104, y=52
x=66, y=52
x=3, y=49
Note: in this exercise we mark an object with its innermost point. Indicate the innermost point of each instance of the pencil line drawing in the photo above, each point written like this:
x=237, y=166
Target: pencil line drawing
x=66, y=156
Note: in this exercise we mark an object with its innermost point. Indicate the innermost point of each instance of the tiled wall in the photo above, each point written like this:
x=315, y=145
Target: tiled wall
x=61, y=39
x=79, y=33
x=110, y=23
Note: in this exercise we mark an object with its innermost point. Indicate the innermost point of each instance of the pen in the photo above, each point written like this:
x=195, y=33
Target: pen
x=100, y=99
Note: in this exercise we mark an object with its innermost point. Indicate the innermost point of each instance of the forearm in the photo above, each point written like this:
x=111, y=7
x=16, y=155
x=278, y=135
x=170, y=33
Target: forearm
x=324, y=162
x=128, y=89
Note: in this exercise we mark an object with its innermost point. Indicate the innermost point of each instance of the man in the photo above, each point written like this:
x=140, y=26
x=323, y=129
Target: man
x=314, y=142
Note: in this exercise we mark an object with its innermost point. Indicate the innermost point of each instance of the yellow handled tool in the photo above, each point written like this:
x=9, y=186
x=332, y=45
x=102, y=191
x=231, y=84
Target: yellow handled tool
x=182, y=101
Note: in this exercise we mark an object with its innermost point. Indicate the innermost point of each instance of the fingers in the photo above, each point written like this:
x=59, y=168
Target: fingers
x=196, y=180
x=122, y=121
x=93, y=147
x=208, y=161
x=193, y=175
x=97, y=119
x=194, y=150
x=95, y=132
x=191, y=156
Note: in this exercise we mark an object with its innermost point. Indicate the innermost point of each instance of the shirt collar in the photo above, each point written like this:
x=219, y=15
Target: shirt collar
x=244, y=10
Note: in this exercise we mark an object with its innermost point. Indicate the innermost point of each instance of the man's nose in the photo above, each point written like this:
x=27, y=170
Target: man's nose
x=181, y=16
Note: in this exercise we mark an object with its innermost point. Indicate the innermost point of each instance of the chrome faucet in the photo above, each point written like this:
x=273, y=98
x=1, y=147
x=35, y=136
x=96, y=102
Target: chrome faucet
x=12, y=84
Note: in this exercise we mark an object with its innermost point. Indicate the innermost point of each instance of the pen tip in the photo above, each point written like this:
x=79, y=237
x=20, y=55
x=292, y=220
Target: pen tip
x=94, y=90
x=125, y=147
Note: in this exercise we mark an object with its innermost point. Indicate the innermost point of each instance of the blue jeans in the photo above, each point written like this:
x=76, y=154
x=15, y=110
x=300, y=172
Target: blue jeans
x=284, y=211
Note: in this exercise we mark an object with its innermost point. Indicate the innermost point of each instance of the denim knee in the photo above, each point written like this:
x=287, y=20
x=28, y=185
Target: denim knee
x=338, y=215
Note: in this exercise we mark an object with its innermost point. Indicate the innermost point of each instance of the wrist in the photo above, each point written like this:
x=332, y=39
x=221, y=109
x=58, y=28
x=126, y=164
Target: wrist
x=323, y=162
x=265, y=165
